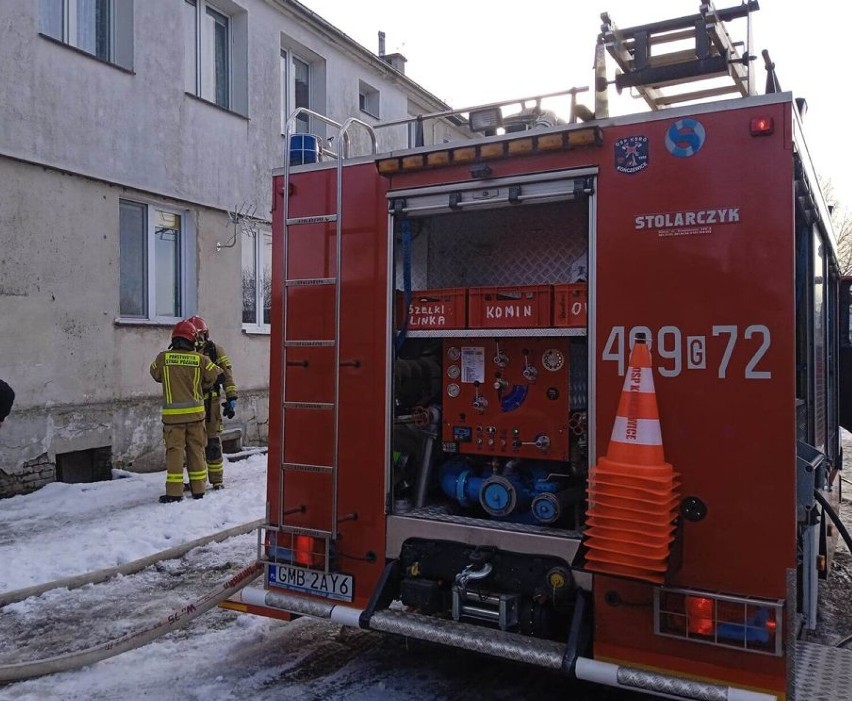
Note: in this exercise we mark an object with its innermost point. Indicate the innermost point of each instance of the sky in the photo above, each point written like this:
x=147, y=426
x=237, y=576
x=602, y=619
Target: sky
x=473, y=52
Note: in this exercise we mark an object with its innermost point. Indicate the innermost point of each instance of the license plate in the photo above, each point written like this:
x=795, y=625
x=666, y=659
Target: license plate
x=331, y=585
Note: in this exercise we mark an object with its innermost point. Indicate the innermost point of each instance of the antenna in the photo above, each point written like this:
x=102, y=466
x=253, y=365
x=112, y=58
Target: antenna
x=242, y=219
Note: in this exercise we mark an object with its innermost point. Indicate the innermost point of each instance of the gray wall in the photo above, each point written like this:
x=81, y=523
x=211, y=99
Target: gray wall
x=76, y=135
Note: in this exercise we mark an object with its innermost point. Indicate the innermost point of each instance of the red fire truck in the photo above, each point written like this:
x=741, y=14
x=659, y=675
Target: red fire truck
x=454, y=367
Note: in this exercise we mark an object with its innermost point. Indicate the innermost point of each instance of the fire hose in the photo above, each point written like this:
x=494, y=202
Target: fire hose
x=176, y=619
x=76, y=581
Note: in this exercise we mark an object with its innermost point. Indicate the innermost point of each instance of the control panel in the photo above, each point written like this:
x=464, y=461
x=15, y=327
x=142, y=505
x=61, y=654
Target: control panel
x=506, y=397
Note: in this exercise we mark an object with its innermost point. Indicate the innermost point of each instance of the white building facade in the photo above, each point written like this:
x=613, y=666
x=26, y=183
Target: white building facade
x=137, y=140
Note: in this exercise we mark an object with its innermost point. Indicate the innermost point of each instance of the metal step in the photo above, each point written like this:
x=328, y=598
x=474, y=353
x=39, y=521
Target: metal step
x=308, y=405
x=318, y=219
x=310, y=281
x=298, y=530
x=823, y=673
x=320, y=343
x=305, y=467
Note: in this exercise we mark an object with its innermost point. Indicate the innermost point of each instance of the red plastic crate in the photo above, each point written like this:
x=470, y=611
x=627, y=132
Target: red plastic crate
x=570, y=302
x=521, y=307
x=434, y=309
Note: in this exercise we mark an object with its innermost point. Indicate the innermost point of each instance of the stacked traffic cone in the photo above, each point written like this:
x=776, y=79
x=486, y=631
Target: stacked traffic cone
x=633, y=490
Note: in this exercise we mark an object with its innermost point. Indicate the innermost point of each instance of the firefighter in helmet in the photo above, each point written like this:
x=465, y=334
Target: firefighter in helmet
x=214, y=410
x=186, y=375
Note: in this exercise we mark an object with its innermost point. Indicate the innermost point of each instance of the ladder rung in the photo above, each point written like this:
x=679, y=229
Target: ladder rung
x=308, y=405
x=310, y=281
x=304, y=467
x=318, y=219
x=297, y=530
x=324, y=343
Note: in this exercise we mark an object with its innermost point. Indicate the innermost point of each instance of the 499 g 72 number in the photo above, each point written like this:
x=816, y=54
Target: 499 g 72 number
x=677, y=351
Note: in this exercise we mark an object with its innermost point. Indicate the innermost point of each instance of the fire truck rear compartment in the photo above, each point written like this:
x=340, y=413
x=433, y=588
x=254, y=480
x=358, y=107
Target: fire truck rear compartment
x=489, y=438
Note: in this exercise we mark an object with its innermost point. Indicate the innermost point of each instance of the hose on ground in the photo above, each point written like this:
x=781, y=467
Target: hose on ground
x=832, y=514
x=76, y=581
x=177, y=619
x=841, y=528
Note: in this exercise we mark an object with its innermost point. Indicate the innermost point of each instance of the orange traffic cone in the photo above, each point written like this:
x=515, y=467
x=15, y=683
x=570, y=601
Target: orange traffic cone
x=633, y=491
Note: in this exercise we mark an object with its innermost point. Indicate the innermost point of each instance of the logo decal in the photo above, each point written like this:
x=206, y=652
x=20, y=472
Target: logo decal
x=685, y=138
x=686, y=223
x=631, y=154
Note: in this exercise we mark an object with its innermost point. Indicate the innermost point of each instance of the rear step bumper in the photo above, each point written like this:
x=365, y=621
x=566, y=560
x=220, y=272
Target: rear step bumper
x=511, y=646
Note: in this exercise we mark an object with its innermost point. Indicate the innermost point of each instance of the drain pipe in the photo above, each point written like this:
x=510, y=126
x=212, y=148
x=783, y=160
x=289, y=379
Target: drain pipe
x=131, y=641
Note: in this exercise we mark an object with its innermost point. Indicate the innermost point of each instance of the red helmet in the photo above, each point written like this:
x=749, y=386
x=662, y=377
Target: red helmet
x=185, y=330
x=200, y=326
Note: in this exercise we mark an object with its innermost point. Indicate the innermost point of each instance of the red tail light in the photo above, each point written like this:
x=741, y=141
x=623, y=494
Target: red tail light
x=761, y=126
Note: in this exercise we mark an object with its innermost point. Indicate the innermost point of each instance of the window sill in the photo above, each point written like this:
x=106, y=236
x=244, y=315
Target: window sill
x=255, y=330
x=226, y=110
x=71, y=47
x=161, y=323
x=370, y=114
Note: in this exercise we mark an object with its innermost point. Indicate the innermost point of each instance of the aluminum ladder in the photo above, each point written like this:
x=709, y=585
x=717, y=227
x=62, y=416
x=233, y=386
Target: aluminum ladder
x=343, y=145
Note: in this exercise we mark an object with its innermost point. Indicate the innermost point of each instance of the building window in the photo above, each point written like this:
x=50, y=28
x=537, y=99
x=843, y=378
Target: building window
x=214, y=48
x=257, y=277
x=295, y=91
x=368, y=99
x=103, y=28
x=154, y=265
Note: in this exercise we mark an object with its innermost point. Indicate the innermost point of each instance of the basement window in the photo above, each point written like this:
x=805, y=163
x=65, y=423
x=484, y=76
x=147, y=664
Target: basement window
x=93, y=465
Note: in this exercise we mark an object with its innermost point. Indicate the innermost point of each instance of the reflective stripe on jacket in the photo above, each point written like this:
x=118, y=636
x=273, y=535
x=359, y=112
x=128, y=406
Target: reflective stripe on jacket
x=185, y=376
x=218, y=355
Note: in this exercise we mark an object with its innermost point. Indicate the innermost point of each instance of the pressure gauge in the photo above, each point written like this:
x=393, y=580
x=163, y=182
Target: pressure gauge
x=453, y=372
x=453, y=390
x=553, y=359
x=453, y=353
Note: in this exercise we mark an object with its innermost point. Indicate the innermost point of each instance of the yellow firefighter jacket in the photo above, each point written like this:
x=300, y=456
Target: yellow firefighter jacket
x=217, y=354
x=185, y=376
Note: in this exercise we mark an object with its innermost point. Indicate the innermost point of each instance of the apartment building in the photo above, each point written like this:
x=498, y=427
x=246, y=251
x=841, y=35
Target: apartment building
x=137, y=138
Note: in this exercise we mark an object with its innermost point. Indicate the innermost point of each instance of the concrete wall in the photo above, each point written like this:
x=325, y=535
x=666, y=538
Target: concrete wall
x=77, y=135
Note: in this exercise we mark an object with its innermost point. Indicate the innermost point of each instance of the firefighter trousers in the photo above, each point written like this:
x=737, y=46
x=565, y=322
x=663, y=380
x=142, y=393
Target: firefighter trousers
x=185, y=443
x=213, y=449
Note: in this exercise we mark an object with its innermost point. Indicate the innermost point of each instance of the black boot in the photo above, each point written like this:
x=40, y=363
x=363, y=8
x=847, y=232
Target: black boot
x=167, y=499
x=198, y=496
x=217, y=487
x=186, y=487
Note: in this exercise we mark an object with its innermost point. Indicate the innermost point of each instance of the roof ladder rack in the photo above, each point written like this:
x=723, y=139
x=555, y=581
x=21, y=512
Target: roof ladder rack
x=697, y=51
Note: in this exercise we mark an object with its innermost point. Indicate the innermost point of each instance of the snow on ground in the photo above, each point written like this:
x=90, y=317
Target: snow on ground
x=69, y=529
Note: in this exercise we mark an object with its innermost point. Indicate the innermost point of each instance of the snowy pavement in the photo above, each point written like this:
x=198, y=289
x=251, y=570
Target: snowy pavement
x=71, y=529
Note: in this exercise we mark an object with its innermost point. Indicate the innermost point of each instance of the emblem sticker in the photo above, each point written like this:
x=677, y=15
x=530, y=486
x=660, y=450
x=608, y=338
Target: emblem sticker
x=685, y=138
x=631, y=154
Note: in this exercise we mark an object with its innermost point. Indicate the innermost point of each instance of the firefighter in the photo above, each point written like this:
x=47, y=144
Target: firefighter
x=186, y=375
x=213, y=409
